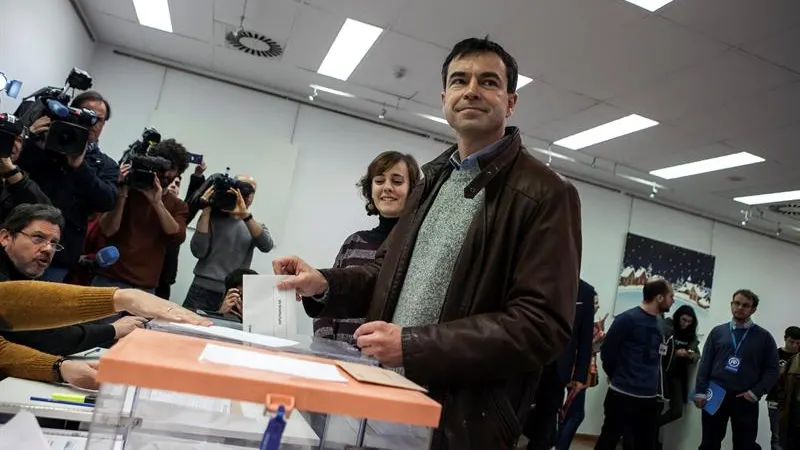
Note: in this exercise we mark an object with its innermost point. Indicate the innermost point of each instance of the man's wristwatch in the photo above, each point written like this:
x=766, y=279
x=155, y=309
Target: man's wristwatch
x=11, y=172
x=57, y=370
x=248, y=218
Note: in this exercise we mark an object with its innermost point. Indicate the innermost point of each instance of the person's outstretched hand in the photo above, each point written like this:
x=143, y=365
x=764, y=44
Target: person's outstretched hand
x=149, y=306
x=306, y=280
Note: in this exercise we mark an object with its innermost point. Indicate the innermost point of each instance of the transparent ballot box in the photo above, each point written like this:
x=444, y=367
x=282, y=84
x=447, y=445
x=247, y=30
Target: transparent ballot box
x=165, y=391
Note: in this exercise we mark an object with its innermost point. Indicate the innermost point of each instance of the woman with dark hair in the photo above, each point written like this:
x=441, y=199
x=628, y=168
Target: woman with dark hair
x=680, y=334
x=385, y=188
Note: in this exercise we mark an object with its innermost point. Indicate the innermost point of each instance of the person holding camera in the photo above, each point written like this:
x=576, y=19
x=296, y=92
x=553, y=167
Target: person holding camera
x=224, y=240
x=16, y=188
x=78, y=184
x=146, y=220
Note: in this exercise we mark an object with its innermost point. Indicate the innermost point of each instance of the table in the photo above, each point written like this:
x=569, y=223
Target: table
x=15, y=395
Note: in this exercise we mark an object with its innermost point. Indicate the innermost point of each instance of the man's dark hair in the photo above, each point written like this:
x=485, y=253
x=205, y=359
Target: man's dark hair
x=173, y=151
x=654, y=288
x=381, y=164
x=23, y=215
x=472, y=46
x=236, y=278
x=792, y=333
x=91, y=96
x=748, y=294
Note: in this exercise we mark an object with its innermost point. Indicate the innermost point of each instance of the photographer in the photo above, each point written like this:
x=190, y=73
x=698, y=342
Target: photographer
x=147, y=218
x=224, y=240
x=78, y=184
x=16, y=188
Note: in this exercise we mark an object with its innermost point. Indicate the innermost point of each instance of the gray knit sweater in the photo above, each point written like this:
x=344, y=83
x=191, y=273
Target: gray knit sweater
x=437, y=248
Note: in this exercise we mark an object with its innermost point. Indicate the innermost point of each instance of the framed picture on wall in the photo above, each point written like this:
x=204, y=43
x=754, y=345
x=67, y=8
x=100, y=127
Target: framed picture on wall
x=691, y=274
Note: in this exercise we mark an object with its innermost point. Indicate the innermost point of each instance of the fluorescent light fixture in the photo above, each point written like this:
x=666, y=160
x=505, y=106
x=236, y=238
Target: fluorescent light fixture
x=331, y=91
x=707, y=165
x=433, y=118
x=769, y=198
x=523, y=81
x=642, y=181
x=650, y=5
x=620, y=127
x=553, y=154
x=348, y=49
x=154, y=14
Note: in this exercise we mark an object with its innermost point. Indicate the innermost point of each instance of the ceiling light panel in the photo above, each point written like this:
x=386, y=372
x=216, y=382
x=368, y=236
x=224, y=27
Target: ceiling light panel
x=348, y=49
x=611, y=130
x=433, y=118
x=774, y=197
x=650, y=5
x=707, y=165
x=331, y=91
x=154, y=14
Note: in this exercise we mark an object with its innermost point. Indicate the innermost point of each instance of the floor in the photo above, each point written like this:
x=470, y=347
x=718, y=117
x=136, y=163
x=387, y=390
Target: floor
x=578, y=444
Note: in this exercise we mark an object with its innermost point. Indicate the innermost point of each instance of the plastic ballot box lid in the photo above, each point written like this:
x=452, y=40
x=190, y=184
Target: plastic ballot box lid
x=172, y=362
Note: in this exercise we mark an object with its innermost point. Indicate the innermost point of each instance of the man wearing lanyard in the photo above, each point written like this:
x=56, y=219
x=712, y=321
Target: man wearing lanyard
x=741, y=358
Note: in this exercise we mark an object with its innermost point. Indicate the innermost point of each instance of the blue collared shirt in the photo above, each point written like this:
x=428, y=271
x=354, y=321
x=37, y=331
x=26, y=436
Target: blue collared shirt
x=471, y=161
x=745, y=325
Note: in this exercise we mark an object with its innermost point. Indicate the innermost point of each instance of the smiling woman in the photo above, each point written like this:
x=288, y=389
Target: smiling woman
x=385, y=188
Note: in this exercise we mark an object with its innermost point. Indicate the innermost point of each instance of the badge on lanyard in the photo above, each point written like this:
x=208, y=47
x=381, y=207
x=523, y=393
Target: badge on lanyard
x=662, y=349
x=733, y=363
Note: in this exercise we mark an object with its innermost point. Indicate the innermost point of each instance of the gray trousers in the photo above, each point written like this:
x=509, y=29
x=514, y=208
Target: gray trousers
x=774, y=420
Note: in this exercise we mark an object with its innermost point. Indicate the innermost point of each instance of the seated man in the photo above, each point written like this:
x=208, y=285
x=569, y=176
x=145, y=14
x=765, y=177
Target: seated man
x=231, y=308
x=29, y=305
x=29, y=238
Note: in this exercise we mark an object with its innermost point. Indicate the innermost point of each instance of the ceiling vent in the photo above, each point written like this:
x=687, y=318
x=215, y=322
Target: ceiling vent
x=253, y=43
x=791, y=209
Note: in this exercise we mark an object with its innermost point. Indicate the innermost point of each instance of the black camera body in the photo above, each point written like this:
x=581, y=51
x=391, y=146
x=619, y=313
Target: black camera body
x=223, y=199
x=69, y=127
x=10, y=128
x=145, y=170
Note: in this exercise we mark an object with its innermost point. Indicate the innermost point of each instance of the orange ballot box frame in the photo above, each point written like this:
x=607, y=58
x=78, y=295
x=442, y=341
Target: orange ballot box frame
x=171, y=362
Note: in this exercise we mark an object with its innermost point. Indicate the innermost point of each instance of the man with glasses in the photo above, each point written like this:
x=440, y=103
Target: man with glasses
x=79, y=185
x=740, y=363
x=30, y=237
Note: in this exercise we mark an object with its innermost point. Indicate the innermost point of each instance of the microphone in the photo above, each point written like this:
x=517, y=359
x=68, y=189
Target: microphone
x=104, y=257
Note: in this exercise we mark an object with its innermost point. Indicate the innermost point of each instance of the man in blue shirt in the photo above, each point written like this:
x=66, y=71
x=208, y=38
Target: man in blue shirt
x=741, y=358
x=631, y=357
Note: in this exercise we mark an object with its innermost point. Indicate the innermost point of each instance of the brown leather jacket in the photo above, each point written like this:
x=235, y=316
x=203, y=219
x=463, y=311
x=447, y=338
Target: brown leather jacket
x=509, y=307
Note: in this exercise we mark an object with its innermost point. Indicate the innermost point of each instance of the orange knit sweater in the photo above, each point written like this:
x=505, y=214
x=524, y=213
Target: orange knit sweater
x=32, y=305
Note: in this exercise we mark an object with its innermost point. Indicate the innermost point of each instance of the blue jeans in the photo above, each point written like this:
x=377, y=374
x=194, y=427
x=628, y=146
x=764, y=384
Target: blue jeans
x=54, y=274
x=572, y=420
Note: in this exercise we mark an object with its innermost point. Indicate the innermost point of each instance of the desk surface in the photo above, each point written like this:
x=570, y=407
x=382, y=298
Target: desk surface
x=15, y=395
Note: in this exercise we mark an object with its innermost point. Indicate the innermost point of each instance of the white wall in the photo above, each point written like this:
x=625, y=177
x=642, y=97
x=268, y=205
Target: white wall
x=40, y=41
x=321, y=205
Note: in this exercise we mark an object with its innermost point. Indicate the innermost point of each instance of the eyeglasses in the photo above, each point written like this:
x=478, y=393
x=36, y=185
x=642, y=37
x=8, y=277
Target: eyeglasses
x=40, y=241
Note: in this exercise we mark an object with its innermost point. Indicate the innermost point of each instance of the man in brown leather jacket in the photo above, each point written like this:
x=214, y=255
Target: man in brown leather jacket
x=474, y=290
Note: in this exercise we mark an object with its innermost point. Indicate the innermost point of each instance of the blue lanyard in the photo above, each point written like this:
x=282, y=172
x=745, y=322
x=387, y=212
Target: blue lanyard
x=737, y=346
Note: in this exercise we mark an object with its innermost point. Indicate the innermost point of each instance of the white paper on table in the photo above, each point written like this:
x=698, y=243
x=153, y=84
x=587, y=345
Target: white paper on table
x=243, y=336
x=22, y=431
x=67, y=442
x=273, y=363
x=267, y=309
x=203, y=403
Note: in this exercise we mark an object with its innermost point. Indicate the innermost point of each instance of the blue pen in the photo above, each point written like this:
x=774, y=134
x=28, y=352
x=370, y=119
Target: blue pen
x=274, y=431
x=62, y=402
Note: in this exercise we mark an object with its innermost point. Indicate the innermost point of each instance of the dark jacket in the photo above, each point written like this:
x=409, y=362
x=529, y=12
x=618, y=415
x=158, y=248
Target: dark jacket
x=508, y=311
x=672, y=366
x=574, y=362
x=78, y=193
x=21, y=192
x=57, y=341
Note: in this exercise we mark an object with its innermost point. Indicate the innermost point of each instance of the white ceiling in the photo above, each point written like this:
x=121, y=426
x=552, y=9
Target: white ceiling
x=721, y=76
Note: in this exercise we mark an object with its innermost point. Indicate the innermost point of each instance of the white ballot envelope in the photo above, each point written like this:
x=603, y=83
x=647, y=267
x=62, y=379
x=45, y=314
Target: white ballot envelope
x=267, y=310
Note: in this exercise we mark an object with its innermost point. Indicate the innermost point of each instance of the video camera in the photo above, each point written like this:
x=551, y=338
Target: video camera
x=10, y=128
x=69, y=129
x=224, y=199
x=144, y=168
